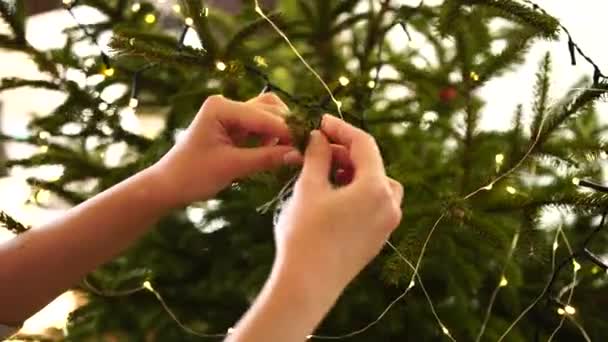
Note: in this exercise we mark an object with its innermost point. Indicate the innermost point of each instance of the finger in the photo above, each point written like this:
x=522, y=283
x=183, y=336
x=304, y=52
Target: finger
x=363, y=149
x=270, y=99
x=341, y=157
x=397, y=190
x=258, y=159
x=317, y=159
x=274, y=109
x=236, y=115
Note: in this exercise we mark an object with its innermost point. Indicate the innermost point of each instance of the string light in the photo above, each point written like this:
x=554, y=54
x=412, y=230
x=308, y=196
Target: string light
x=489, y=186
x=561, y=311
x=150, y=18
x=136, y=7
x=500, y=158
x=44, y=149
x=44, y=135
x=133, y=102
x=576, y=181
x=555, y=245
x=108, y=72
x=511, y=190
x=43, y=196
x=230, y=331
x=603, y=155
x=221, y=66
x=205, y=12
x=344, y=81
x=576, y=266
x=474, y=76
x=68, y=2
x=569, y=310
x=371, y=84
x=189, y=21
x=177, y=8
x=260, y=61
x=503, y=282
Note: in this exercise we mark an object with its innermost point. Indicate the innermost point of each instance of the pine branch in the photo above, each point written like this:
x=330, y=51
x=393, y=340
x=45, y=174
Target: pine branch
x=541, y=93
x=11, y=224
x=13, y=83
x=250, y=30
x=13, y=12
x=546, y=24
x=195, y=9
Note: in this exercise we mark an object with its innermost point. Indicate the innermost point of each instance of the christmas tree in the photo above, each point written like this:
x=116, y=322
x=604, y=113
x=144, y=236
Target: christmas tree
x=473, y=259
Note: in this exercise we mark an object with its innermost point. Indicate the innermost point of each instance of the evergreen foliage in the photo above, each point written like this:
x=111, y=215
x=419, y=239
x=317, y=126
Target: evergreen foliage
x=209, y=276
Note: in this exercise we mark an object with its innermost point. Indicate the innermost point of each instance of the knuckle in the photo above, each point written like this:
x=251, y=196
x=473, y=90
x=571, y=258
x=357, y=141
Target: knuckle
x=214, y=100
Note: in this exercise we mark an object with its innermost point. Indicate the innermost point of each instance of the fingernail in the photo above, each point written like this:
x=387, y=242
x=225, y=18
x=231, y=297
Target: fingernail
x=274, y=141
x=292, y=157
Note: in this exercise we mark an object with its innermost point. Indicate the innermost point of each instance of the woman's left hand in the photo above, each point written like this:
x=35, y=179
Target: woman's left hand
x=209, y=156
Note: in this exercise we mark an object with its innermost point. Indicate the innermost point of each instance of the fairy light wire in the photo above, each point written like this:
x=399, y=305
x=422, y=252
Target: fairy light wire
x=498, y=287
x=572, y=286
x=259, y=11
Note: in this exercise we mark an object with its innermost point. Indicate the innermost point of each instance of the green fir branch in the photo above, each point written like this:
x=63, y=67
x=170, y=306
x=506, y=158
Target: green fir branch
x=541, y=93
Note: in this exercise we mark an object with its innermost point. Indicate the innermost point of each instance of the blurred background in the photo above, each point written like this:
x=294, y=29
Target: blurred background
x=46, y=23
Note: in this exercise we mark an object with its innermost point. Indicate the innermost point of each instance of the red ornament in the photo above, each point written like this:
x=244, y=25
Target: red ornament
x=448, y=94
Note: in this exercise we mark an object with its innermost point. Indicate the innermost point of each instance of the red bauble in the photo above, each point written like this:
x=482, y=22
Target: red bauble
x=448, y=94
x=344, y=176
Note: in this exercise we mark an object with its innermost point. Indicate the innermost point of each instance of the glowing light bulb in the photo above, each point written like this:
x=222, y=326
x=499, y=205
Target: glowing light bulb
x=503, y=282
x=511, y=190
x=500, y=158
x=43, y=196
x=136, y=7
x=205, y=12
x=576, y=266
x=230, y=331
x=412, y=284
x=108, y=72
x=371, y=84
x=344, y=81
x=148, y=286
x=603, y=155
x=595, y=270
x=576, y=181
x=489, y=186
x=569, y=310
x=561, y=311
x=221, y=66
x=445, y=330
x=260, y=61
x=44, y=149
x=150, y=18
x=44, y=135
x=133, y=102
x=177, y=8
x=308, y=337
x=189, y=21
x=474, y=76
x=555, y=245
x=67, y=2
x=339, y=104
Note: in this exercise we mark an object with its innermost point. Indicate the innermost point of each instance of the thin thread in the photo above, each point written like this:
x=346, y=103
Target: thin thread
x=573, y=284
x=338, y=104
x=580, y=328
x=498, y=287
x=542, y=294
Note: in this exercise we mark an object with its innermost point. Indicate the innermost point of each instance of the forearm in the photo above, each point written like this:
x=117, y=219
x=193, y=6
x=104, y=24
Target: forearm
x=38, y=265
x=288, y=309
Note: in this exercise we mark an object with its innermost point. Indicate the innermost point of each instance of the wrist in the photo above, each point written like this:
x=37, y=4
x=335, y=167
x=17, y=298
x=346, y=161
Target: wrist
x=161, y=192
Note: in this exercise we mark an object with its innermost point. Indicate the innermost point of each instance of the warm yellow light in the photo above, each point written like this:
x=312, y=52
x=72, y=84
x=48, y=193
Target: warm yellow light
x=371, y=84
x=344, y=81
x=43, y=196
x=177, y=8
x=260, y=61
x=412, y=284
x=148, y=286
x=150, y=18
x=136, y=7
x=560, y=311
x=189, y=21
x=555, y=245
x=489, y=186
x=230, y=331
x=445, y=330
x=44, y=149
x=503, y=282
x=44, y=135
x=221, y=66
x=576, y=181
x=511, y=190
x=595, y=270
x=339, y=104
x=67, y=2
x=474, y=76
x=603, y=155
x=576, y=266
x=108, y=72
x=570, y=310
x=133, y=102
x=500, y=158
x=205, y=12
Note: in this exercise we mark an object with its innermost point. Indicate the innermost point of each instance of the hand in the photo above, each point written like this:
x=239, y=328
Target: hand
x=327, y=233
x=209, y=157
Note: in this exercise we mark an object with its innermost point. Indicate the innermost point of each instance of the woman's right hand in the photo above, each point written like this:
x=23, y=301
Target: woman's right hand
x=327, y=233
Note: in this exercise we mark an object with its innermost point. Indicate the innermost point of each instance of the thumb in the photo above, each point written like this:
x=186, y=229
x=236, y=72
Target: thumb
x=252, y=160
x=317, y=161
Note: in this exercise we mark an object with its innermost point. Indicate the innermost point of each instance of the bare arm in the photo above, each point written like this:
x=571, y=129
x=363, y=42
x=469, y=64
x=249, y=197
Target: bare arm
x=38, y=265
